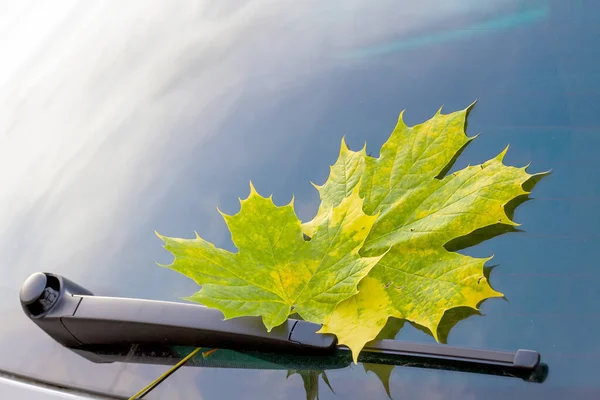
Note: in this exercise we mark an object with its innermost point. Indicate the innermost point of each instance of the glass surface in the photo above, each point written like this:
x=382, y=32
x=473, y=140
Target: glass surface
x=121, y=118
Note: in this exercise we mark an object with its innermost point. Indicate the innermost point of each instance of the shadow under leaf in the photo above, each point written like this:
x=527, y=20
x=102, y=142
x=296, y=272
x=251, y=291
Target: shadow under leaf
x=534, y=180
x=487, y=270
x=451, y=317
x=448, y=166
x=391, y=328
x=491, y=231
x=479, y=236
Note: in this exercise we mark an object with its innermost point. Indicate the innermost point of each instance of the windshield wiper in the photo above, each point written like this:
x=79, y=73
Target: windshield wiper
x=105, y=329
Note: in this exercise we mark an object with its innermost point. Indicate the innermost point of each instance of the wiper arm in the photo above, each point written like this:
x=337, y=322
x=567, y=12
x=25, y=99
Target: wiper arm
x=75, y=317
x=90, y=325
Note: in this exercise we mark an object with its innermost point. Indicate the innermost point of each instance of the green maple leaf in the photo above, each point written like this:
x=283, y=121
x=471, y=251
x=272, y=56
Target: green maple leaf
x=419, y=210
x=276, y=271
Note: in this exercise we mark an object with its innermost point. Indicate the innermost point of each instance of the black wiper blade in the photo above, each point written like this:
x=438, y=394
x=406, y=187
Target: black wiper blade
x=249, y=359
x=524, y=364
x=99, y=328
x=219, y=358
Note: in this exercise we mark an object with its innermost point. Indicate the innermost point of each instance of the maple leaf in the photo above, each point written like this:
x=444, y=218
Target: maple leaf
x=419, y=210
x=276, y=271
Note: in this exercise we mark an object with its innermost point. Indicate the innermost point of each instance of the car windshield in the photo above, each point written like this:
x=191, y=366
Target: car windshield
x=121, y=118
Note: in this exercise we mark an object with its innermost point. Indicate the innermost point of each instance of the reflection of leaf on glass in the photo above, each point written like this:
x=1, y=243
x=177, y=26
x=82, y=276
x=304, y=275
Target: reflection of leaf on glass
x=310, y=380
x=383, y=371
x=420, y=208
